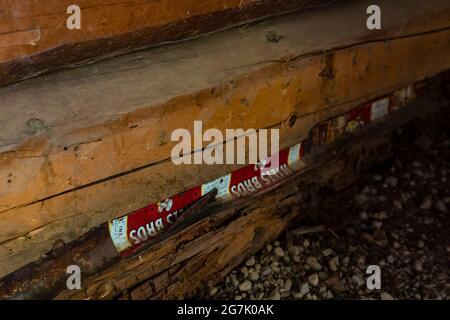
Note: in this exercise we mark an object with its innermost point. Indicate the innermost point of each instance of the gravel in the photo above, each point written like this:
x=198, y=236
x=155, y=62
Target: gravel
x=279, y=252
x=395, y=217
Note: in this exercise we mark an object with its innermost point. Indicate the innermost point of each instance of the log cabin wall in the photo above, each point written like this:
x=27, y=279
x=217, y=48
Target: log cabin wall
x=81, y=147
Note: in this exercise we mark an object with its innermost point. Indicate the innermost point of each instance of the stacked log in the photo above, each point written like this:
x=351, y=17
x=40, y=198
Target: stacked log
x=82, y=147
x=37, y=36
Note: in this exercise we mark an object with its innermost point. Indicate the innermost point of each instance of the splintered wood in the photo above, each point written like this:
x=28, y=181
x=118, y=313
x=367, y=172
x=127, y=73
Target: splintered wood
x=84, y=146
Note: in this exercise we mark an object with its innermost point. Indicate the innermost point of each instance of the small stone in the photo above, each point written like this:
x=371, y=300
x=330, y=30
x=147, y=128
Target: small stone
x=361, y=199
x=306, y=243
x=323, y=275
x=364, y=215
x=304, y=289
x=244, y=271
x=361, y=260
x=377, y=177
x=377, y=224
x=398, y=204
x=275, y=295
x=250, y=262
x=293, y=251
x=390, y=259
x=213, y=291
x=327, y=252
x=379, y=234
x=245, y=286
x=234, y=280
x=357, y=280
x=386, y=296
x=336, y=284
x=287, y=285
x=333, y=264
x=266, y=270
x=313, y=263
x=346, y=260
x=403, y=197
x=391, y=181
x=238, y=297
x=420, y=244
x=314, y=280
x=424, y=142
x=275, y=268
x=279, y=252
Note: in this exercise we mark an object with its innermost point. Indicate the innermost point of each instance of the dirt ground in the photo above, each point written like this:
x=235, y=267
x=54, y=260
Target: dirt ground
x=396, y=217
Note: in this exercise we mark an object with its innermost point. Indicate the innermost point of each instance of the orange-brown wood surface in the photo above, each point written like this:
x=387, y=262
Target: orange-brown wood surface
x=102, y=146
x=34, y=36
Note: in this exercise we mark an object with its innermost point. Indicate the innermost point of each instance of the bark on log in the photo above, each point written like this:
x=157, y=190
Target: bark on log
x=34, y=37
x=54, y=183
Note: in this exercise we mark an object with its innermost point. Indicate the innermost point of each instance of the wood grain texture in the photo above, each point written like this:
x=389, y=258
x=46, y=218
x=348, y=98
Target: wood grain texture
x=34, y=37
x=103, y=147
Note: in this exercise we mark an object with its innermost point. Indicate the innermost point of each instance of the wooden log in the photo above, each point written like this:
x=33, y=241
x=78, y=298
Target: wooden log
x=55, y=185
x=34, y=36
